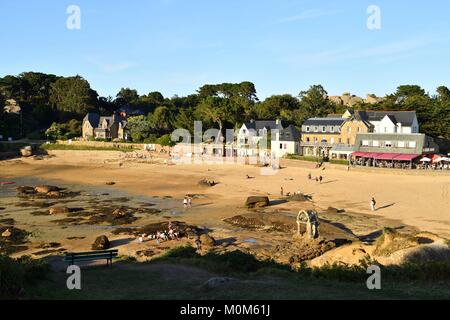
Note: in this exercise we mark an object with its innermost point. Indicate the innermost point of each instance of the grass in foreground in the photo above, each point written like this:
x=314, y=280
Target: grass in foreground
x=181, y=273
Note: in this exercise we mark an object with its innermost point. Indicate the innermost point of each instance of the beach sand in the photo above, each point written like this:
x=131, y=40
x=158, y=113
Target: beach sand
x=417, y=199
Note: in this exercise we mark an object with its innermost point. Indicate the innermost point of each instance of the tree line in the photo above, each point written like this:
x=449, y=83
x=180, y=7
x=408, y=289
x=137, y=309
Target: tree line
x=47, y=99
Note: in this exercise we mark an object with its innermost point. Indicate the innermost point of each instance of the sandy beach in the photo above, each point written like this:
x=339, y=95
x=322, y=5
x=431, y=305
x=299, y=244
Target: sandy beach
x=417, y=200
x=420, y=199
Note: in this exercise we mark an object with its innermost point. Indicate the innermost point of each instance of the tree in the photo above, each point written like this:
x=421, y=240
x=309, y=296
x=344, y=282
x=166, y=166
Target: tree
x=276, y=106
x=215, y=110
x=127, y=96
x=315, y=103
x=73, y=95
x=443, y=92
x=161, y=120
x=139, y=128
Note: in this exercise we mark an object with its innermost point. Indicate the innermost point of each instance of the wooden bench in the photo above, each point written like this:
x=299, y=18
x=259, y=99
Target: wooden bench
x=108, y=255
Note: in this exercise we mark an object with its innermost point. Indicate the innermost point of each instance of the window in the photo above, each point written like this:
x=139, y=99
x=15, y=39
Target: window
x=332, y=129
x=412, y=144
x=307, y=139
x=348, y=141
x=324, y=129
x=365, y=143
x=359, y=129
x=316, y=129
x=315, y=140
x=388, y=144
x=307, y=128
x=401, y=144
x=332, y=140
x=285, y=146
x=281, y=146
x=375, y=143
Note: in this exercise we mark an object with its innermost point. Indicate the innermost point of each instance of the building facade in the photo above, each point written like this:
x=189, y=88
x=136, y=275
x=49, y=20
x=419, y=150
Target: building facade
x=320, y=135
x=110, y=128
x=286, y=142
x=375, y=147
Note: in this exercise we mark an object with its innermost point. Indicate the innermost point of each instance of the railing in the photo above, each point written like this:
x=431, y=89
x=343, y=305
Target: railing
x=324, y=144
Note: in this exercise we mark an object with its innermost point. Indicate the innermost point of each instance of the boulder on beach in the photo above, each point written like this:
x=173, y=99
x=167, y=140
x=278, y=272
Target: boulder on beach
x=101, y=243
x=6, y=233
x=257, y=202
x=58, y=210
x=55, y=194
x=207, y=241
x=46, y=189
x=207, y=183
x=25, y=190
x=26, y=151
x=110, y=183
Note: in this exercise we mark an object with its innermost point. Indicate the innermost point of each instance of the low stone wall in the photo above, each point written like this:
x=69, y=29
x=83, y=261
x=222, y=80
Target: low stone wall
x=118, y=145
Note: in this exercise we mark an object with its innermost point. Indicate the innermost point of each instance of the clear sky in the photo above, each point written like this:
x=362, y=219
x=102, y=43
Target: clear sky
x=283, y=46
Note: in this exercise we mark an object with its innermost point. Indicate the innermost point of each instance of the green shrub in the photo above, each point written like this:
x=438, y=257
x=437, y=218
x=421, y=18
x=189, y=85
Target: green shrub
x=165, y=140
x=339, y=161
x=303, y=158
x=16, y=274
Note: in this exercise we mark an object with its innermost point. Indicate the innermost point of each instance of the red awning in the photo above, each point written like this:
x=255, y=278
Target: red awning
x=362, y=154
x=385, y=156
x=406, y=157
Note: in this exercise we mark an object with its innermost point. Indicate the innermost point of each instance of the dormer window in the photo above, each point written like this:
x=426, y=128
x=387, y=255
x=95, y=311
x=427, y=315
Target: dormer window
x=324, y=129
x=307, y=128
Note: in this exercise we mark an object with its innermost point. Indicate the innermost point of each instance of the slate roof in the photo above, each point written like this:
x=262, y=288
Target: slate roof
x=93, y=119
x=290, y=134
x=261, y=124
x=406, y=118
x=324, y=122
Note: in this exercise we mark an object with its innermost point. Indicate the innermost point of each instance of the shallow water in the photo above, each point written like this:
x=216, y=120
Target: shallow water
x=42, y=226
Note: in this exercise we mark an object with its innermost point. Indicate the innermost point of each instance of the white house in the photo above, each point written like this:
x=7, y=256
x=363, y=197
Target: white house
x=251, y=133
x=404, y=122
x=286, y=142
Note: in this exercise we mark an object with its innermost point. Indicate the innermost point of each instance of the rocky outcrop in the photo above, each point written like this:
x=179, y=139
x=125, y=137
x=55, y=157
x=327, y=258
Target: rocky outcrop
x=46, y=189
x=58, y=210
x=257, y=202
x=101, y=243
x=26, y=151
x=207, y=241
x=349, y=100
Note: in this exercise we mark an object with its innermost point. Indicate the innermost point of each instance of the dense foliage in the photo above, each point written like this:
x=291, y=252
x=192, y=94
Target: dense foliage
x=45, y=99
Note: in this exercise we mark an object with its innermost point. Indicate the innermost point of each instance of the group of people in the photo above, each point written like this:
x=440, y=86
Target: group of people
x=170, y=234
x=187, y=202
x=318, y=179
x=289, y=194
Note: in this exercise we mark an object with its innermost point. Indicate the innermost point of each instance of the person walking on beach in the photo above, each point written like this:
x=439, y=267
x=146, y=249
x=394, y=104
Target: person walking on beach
x=320, y=179
x=185, y=202
x=309, y=176
x=282, y=192
x=373, y=203
x=189, y=202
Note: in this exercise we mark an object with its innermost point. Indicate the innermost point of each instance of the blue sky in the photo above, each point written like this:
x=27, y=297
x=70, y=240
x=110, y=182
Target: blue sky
x=283, y=46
